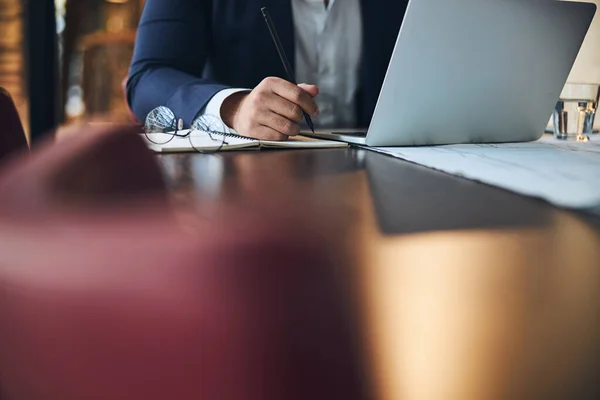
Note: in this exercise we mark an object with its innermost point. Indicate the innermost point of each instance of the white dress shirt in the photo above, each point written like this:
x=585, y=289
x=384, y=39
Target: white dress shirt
x=328, y=43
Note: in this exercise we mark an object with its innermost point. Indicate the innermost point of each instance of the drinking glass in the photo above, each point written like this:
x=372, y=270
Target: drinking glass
x=575, y=111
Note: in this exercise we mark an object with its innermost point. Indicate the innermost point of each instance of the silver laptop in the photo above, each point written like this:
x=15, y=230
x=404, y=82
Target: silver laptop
x=475, y=71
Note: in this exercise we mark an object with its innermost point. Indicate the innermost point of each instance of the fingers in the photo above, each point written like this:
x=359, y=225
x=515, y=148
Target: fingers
x=274, y=109
x=279, y=123
x=267, y=133
x=283, y=107
x=313, y=90
x=294, y=94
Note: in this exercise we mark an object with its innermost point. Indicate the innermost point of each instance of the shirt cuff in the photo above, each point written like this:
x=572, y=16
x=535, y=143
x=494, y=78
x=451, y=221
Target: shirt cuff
x=213, y=107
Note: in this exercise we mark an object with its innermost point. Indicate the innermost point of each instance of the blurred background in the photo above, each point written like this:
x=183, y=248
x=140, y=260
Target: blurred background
x=94, y=40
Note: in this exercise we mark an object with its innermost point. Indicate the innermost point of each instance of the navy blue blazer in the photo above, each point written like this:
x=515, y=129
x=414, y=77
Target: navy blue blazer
x=188, y=50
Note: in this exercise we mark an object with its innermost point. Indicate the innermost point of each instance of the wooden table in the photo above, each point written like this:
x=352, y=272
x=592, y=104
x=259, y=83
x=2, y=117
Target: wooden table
x=461, y=290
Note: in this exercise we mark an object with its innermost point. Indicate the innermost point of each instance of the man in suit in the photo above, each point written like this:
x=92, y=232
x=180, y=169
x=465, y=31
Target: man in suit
x=217, y=57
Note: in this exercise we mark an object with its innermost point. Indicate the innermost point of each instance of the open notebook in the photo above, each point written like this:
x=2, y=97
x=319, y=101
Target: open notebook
x=201, y=141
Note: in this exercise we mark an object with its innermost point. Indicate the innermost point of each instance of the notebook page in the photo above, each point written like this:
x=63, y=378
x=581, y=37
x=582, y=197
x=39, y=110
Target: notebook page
x=302, y=142
x=162, y=142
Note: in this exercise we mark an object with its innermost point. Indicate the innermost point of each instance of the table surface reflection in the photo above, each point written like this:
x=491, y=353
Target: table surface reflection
x=462, y=290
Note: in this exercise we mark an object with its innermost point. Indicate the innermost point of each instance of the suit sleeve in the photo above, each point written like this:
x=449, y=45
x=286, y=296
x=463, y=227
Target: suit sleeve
x=170, y=53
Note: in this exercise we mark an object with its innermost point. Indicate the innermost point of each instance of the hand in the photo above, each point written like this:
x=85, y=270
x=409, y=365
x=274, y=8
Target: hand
x=272, y=111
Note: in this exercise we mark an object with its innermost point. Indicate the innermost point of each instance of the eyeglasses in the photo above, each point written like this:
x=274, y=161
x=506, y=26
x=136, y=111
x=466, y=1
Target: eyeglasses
x=206, y=135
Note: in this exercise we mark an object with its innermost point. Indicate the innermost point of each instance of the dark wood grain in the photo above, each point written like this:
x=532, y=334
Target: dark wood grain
x=460, y=290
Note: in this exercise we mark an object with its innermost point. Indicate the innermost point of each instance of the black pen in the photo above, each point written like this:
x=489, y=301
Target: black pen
x=284, y=59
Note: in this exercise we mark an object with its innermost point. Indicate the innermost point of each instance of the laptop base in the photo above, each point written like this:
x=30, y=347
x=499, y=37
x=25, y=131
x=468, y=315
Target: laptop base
x=348, y=136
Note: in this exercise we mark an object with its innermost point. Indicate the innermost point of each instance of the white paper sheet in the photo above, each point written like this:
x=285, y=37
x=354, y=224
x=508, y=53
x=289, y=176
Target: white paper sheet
x=566, y=174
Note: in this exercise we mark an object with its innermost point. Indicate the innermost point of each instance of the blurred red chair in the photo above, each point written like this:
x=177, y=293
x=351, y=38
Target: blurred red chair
x=136, y=309
x=102, y=167
x=12, y=135
x=120, y=303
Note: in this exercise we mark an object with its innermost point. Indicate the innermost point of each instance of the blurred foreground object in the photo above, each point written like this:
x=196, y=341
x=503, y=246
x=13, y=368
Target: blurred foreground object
x=100, y=167
x=104, y=296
